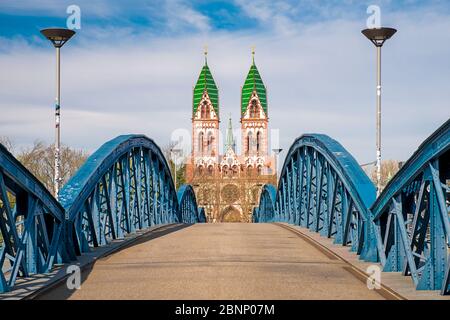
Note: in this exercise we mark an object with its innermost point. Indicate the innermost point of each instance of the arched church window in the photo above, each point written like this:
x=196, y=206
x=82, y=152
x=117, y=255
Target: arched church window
x=259, y=170
x=205, y=110
x=200, y=142
x=210, y=142
x=254, y=109
x=249, y=142
x=258, y=141
x=210, y=170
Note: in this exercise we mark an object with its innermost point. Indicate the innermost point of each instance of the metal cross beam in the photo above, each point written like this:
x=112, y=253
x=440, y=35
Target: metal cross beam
x=323, y=188
x=31, y=223
x=413, y=215
x=123, y=187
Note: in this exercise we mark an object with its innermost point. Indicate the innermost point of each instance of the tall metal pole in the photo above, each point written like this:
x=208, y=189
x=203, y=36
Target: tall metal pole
x=378, y=120
x=58, y=123
x=58, y=38
x=378, y=37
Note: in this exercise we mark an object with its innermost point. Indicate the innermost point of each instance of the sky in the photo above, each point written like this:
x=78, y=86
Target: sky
x=132, y=65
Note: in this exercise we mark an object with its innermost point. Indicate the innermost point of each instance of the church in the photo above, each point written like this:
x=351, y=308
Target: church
x=228, y=185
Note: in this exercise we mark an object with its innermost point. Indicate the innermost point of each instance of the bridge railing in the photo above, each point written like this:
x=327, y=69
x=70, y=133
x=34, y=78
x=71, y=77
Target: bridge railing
x=322, y=188
x=31, y=223
x=125, y=186
x=189, y=212
x=412, y=216
x=265, y=212
x=407, y=229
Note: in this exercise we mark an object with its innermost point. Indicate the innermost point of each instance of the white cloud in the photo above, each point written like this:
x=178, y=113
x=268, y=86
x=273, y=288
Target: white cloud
x=179, y=14
x=320, y=79
x=57, y=8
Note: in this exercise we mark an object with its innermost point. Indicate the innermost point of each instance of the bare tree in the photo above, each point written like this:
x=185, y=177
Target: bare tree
x=7, y=143
x=181, y=170
x=389, y=169
x=39, y=159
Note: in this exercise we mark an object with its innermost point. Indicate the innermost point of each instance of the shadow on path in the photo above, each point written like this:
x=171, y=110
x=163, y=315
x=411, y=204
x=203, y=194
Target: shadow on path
x=60, y=290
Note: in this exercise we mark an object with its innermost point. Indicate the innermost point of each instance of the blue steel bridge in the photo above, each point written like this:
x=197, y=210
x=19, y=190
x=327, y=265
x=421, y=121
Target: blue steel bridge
x=322, y=218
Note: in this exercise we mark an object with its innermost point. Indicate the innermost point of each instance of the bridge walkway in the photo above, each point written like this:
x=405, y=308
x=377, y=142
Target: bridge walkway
x=220, y=261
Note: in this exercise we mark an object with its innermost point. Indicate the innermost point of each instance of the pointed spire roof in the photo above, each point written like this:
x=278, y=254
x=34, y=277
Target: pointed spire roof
x=229, y=142
x=206, y=83
x=253, y=83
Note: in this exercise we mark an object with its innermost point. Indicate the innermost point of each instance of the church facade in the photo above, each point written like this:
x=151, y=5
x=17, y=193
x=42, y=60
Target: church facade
x=228, y=185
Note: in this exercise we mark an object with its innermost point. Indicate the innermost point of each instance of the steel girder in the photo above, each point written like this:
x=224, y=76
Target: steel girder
x=412, y=216
x=322, y=188
x=189, y=212
x=124, y=186
x=265, y=212
x=31, y=223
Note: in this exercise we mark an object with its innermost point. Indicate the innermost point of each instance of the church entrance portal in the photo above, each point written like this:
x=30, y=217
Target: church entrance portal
x=231, y=214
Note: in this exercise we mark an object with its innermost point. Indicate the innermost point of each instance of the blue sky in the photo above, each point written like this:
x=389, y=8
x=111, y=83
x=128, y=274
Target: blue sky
x=25, y=17
x=131, y=68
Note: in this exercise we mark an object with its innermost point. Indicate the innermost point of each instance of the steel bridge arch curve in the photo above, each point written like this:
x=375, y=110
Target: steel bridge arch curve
x=343, y=162
x=265, y=212
x=188, y=204
x=412, y=216
x=31, y=223
x=323, y=188
x=126, y=185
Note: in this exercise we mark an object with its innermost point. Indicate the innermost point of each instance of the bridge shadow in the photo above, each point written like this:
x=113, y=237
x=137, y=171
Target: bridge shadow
x=60, y=291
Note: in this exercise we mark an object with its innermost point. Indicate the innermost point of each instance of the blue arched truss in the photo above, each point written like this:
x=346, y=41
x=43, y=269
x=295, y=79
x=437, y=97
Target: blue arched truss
x=322, y=187
x=265, y=212
x=407, y=228
x=124, y=186
x=189, y=212
x=31, y=223
x=412, y=216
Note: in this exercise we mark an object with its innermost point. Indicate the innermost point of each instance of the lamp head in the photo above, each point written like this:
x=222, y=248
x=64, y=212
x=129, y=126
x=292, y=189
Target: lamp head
x=378, y=36
x=58, y=36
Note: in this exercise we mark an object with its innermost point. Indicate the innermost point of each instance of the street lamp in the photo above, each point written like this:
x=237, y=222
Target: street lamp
x=58, y=37
x=378, y=37
x=277, y=153
x=175, y=153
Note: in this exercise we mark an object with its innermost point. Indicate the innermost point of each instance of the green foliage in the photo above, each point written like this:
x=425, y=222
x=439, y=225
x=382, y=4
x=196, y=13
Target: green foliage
x=181, y=173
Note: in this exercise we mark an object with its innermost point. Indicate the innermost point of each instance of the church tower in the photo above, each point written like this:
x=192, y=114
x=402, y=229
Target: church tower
x=205, y=121
x=228, y=185
x=254, y=122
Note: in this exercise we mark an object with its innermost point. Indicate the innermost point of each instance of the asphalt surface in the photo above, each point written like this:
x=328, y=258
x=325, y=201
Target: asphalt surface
x=219, y=261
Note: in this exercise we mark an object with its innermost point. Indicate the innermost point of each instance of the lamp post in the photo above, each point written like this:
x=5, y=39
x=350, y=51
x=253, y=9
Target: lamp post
x=277, y=153
x=378, y=37
x=58, y=38
x=175, y=152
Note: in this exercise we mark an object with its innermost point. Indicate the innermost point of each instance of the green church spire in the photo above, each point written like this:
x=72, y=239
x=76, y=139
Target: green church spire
x=253, y=83
x=206, y=83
